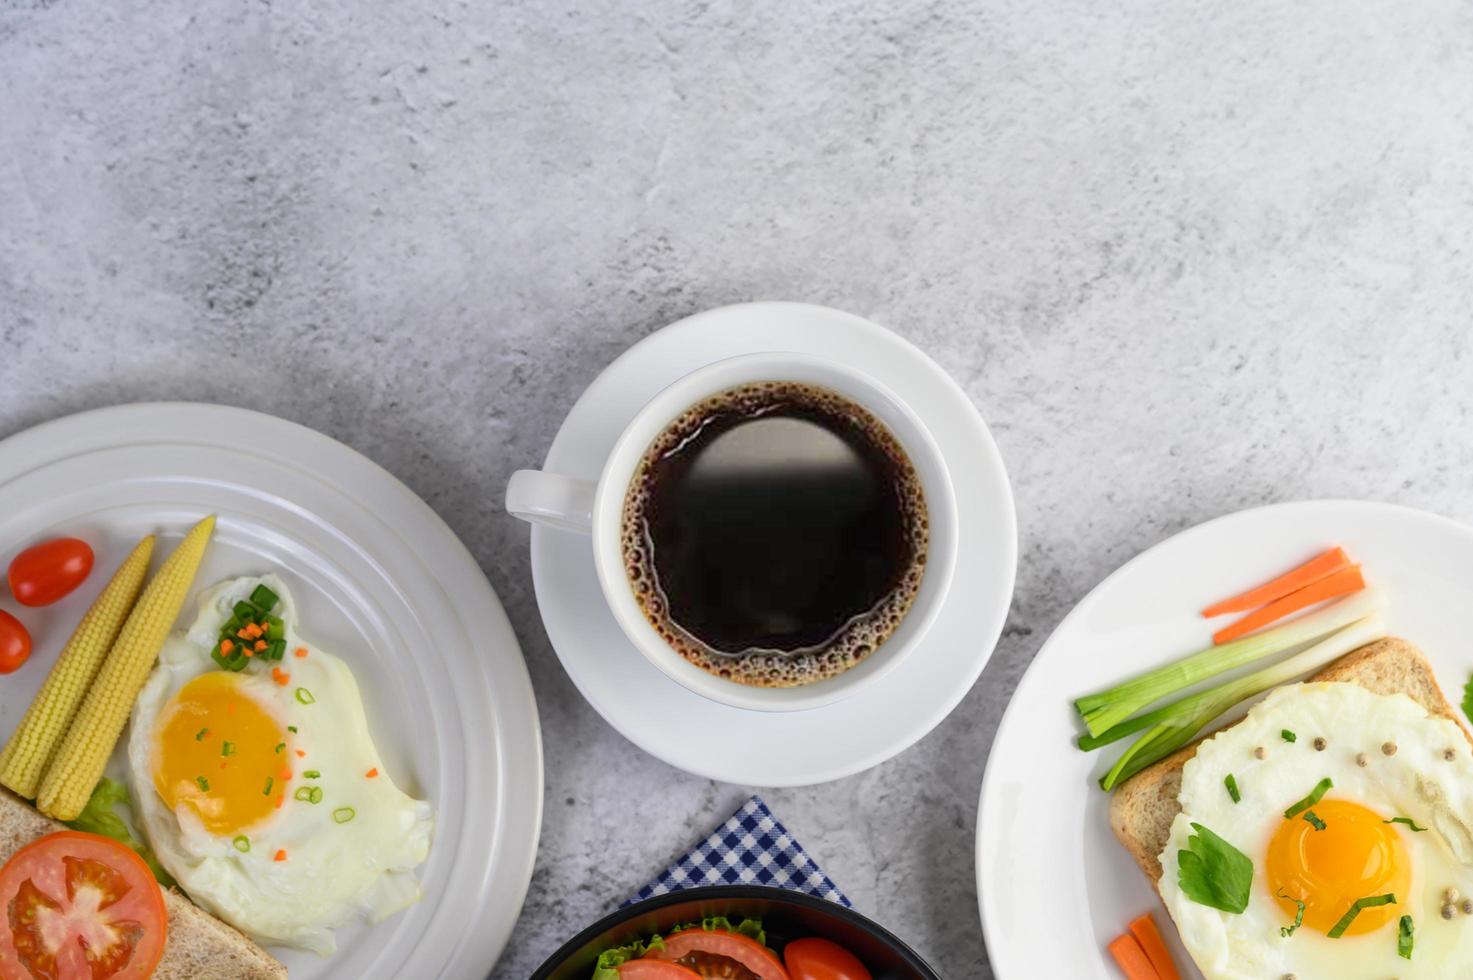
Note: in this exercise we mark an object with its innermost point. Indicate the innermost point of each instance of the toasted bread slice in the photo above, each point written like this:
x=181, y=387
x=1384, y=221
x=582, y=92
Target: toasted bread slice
x=1145, y=805
x=199, y=945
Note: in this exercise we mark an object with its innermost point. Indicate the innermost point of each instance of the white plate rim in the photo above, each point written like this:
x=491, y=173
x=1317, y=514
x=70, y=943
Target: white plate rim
x=511, y=854
x=985, y=466
x=994, y=936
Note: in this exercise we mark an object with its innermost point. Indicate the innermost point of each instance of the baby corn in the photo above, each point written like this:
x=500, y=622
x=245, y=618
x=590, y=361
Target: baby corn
x=49, y=717
x=83, y=754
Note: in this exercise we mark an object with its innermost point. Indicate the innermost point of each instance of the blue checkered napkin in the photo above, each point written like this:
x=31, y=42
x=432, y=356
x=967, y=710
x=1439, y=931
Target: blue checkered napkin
x=751, y=848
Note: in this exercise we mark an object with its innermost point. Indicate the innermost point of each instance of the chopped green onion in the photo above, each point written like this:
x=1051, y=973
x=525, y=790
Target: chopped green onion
x=279, y=747
x=275, y=650
x=1106, y=709
x=292, y=729
x=305, y=696
x=343, y=814
x=1404, y=937
x=1287, y=931
x=199, y=736
x=275, y=626
x=309, y=794
x=1315, y=795
x=312, y=774
x=1409, y=822
x=269, y=783
x=1313, y=820
x=244, y=613
x=242, y=844
x=264, y=598
x=1176, y=724
x=1369, y=902
x=204, y=784
x=227, y=748
x=1232, y=787
x=1288, y=736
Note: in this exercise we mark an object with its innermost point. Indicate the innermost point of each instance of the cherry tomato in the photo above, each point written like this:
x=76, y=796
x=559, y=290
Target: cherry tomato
x=80, y=907
x=47, y=571
x=717, y=953
x=819, y=959
x=15, y=643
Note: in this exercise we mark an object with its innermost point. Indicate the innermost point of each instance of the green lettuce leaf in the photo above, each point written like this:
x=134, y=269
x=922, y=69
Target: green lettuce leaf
x=609, y=961
x=100, y=816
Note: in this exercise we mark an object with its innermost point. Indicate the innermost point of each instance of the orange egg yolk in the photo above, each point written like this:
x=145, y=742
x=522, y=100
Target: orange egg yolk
x=1357, y=855
x=219, y=753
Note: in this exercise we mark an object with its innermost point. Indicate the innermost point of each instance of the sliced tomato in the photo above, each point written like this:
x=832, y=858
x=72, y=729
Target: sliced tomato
x=820, y=959
x=15, y=643
x=79, y=907
x=718, y=953
x=45, y=572
x=655, y=970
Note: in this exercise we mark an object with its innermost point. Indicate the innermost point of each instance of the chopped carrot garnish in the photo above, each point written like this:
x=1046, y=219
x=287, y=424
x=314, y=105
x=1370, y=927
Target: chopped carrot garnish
x=1311, y=571
x=242, y=633
x=301, y=651
x=1145, y=932
x=371, y=773
x=1132, y=959
x=253, y=629
x=280, y=856
x=286, y=774
x=301, y=754
x=1339, y=583
x=280, y=676
x=248, y=651
x=226, y=646
x=260, y=645
x=280, y=800
x=266, y=628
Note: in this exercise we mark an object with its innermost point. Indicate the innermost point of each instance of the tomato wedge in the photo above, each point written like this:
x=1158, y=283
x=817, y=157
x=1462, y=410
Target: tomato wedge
x=79, y=907
x=45, y=572
x=820, y=959
x=655, y=970
x=712, y=953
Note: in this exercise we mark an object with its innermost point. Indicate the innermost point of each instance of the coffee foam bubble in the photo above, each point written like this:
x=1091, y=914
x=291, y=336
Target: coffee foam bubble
x=851, y=643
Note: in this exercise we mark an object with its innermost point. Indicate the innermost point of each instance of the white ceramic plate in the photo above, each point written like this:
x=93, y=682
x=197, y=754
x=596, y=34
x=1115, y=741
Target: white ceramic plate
x=802, y=747
x=1054, y=885
x=380, y=580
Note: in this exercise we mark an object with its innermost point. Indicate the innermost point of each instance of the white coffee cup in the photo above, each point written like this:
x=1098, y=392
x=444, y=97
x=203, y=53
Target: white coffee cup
x=596, y=508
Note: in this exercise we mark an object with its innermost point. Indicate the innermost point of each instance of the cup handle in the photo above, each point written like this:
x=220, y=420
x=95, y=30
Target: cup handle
x=551, y=499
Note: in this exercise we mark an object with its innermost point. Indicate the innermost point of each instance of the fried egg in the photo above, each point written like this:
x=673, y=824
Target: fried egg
x=1396, y=820
x=261, y=790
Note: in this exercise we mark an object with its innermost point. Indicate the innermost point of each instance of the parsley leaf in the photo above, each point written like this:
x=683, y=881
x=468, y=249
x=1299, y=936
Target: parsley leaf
x=1232, y=788
x=1288, y=736
x=1313, y=820
x=1409, y=822
x=1315, y=795
x=1287, y=931
x=1369, y=902
x=1404, y=938
x=1214, y=873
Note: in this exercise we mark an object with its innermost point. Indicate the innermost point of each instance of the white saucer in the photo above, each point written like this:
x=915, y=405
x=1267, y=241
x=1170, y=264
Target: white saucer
x=805, y=747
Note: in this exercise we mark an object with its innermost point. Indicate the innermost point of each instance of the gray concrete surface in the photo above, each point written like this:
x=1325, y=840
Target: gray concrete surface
x=1187, y=258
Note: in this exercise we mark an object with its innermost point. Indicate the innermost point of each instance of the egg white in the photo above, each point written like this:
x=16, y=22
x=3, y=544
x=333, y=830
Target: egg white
x=334, y=872
x=1418, y=781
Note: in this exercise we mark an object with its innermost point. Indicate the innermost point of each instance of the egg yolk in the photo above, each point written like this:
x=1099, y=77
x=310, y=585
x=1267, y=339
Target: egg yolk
x=221, y=754
x=1357, y=855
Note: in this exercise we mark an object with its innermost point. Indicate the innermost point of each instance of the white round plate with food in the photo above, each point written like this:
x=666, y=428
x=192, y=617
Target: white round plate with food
x=375, y=577
x=801, y=747
x=1055, y=887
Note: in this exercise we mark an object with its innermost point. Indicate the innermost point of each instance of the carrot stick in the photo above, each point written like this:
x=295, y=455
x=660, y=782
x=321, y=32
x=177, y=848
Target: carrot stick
x=1132, y=959
x=1339, y=583
x=1145, y=932
x=1316, y=568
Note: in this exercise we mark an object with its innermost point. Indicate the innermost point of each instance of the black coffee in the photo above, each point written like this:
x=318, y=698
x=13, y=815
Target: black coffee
x=775, y=533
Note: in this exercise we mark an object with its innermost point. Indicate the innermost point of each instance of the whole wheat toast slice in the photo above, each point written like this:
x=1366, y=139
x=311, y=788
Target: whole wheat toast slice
x=1145, y=805
x=199, y=945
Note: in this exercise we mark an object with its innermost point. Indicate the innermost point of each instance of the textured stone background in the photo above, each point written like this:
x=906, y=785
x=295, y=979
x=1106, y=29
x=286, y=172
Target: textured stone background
x=1187, y=258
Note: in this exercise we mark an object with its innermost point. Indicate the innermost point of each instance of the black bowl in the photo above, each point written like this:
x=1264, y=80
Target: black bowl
x=785, y=916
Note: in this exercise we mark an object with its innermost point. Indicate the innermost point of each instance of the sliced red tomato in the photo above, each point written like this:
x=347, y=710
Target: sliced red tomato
x=820, y=959
x=79, y=907
x=655, y=970
x=47, y=571
x=15, y=643
x=717, y=952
